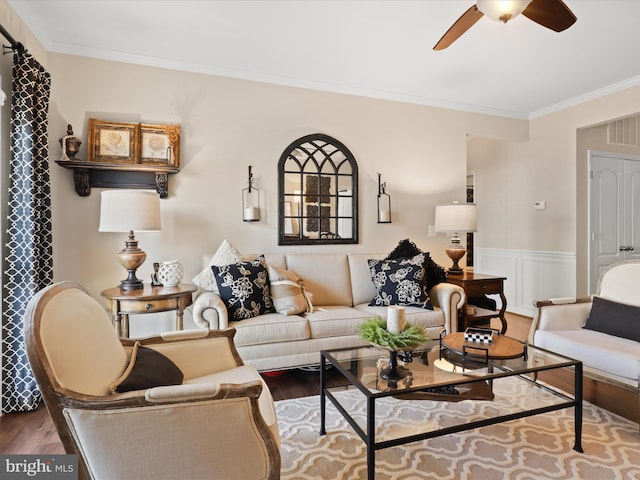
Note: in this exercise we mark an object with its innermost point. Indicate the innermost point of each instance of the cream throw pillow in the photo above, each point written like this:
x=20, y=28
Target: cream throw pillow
x=225, y=255
x=287, y=292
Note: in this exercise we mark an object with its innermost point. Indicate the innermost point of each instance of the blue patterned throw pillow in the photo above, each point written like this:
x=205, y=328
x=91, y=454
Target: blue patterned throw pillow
x=244, y=288
x=400, y=282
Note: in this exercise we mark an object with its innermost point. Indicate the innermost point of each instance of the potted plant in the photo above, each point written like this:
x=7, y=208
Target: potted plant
x=374, y=330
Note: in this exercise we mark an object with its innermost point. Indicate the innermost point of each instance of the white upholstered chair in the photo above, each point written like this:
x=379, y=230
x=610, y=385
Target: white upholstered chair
x=611, y=361
x=219, y=422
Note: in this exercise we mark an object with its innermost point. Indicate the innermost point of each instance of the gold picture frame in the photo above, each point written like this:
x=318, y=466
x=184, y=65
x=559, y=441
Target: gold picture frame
x=113, y=142
x=160, y=144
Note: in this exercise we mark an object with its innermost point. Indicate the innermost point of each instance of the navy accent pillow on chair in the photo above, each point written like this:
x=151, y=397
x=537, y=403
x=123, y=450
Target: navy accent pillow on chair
x=399, y=282
x=147, y=368
x=244, y=288
x=613, y=318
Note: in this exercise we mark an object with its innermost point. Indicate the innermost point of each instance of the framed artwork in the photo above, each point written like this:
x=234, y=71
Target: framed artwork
x=160, y=144
x=112, y=141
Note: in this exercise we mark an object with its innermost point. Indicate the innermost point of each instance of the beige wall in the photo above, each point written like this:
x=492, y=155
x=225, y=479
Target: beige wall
x=228, y=124
x=551, y=166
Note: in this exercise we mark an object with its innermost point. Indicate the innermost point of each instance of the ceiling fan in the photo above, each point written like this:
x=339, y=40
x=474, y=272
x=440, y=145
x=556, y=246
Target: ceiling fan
x=553, y=14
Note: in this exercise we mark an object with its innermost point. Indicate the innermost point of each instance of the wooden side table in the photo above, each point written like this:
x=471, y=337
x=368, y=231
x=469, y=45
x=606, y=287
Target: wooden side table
x=476, y=285
x=150, y=299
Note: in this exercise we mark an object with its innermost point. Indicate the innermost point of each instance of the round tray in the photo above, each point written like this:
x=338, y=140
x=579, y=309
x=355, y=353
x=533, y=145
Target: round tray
x=500, y=348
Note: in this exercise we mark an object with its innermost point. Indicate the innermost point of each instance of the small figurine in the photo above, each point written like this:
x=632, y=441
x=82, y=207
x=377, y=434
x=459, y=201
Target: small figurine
x=70, y=144
x=155, y=282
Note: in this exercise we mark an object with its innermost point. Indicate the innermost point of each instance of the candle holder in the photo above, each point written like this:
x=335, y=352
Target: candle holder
x=384, y=202
x=374, y=330
x=393, y=371
x=250, y=201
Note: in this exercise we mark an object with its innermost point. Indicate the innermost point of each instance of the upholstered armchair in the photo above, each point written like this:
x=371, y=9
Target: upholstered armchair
x=211, y=417
x=603, y=332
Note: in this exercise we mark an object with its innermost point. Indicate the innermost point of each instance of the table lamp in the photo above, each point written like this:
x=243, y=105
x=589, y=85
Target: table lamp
x=456, y=218
x=129, y=211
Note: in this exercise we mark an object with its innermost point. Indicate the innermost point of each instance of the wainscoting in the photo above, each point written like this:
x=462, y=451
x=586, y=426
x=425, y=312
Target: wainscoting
x=530, y=275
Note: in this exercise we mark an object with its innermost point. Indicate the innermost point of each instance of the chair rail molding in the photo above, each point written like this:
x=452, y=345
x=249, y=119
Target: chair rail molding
x=531, y=275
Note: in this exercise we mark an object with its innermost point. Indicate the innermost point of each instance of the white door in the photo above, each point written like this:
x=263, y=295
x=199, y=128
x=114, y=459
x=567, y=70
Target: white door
x=614, y=211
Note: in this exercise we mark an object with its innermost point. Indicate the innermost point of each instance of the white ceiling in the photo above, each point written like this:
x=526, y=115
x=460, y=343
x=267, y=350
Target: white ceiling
x=380, y=49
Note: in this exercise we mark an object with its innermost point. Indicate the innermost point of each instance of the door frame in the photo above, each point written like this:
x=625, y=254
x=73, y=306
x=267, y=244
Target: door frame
x=591, y=282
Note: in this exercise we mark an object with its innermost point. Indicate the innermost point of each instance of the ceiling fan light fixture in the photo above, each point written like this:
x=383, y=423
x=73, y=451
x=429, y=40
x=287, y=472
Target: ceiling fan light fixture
x=502, y=10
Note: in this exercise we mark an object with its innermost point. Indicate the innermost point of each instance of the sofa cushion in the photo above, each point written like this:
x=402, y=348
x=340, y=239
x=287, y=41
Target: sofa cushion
x=270, y=328
x=417, y=316
x=327, y=276
x=147, y=369
x=288, y=292
x=613, y=355
x=225, y=255
x=335, y=321
x=614, y=318
x=399, y=282
x=362, y=286
x=244, y=288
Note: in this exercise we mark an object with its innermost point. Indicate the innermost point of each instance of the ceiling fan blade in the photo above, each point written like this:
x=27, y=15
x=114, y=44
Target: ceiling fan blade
x=553, y=14
x=464, y=23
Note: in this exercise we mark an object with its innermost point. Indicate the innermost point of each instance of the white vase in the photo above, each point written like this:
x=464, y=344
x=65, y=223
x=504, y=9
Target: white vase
x=170, y=273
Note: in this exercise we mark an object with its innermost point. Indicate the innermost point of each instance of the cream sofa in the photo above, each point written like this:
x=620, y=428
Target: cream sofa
x=559, y=326
x=342, y=289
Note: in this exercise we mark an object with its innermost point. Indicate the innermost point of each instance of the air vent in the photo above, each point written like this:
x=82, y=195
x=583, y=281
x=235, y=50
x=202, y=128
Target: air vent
x=623, y=132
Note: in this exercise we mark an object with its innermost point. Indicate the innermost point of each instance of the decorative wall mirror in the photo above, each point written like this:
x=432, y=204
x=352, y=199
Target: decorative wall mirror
x=318, y=192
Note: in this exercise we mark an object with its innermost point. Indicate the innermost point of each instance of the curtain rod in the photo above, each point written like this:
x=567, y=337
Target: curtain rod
x=15, y=45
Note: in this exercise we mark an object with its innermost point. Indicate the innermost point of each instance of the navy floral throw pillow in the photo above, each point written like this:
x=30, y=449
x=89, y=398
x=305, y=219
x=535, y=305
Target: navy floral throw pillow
x=433, y=273
x=244, y=288
x=400, y=282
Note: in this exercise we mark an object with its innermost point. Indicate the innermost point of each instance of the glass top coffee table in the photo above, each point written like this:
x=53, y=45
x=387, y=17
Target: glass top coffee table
x=468, y=373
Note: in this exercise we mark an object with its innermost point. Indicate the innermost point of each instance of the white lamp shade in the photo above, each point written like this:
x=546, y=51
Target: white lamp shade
x=502, y=10
x=129, y=210
x=456, y=217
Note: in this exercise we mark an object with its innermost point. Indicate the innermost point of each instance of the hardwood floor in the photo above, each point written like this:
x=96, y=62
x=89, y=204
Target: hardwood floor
x=34, y=433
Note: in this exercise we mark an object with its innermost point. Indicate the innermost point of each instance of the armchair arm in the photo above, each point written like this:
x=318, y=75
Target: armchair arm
x=450, y=298
x=194, y=392
x=559, y=314
x=202, y=391
x=209, y=311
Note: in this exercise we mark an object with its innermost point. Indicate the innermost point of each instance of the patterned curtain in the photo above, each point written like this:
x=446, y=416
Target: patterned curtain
x=28, y=262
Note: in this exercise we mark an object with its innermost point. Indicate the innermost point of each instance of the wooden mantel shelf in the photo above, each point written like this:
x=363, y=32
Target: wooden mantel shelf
x=118, y=175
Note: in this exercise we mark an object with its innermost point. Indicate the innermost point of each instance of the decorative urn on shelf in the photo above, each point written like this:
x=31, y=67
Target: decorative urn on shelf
x=70, y=144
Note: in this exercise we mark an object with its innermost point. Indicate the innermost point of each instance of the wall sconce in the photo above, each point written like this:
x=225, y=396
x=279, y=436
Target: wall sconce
x=455, y=218
x=250, y=201
x=384, y=203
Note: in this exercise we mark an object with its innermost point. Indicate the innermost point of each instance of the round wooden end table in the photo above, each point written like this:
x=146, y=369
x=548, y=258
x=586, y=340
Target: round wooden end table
x=477, y=354
x=150, y=299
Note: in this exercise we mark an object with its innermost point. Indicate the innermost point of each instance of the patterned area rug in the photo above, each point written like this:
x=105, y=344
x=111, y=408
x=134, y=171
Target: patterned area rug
x=532, y=448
